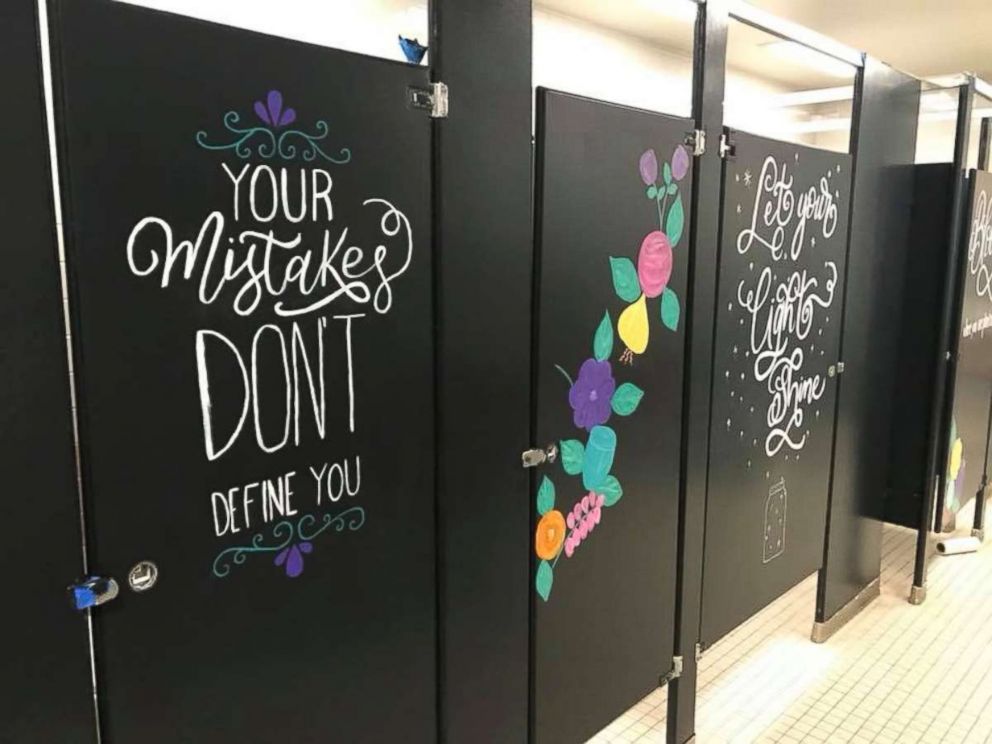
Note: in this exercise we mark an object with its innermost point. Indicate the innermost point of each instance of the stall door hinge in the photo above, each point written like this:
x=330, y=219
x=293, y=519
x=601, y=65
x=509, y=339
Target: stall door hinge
x=727, y=148
x=533, y=457
x=840, y=368
x=676, y=670
x=433, y=100
x=696, y=139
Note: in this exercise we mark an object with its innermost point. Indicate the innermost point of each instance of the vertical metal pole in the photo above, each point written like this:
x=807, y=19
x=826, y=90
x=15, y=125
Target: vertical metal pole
x=943, y=398
x=984, y=143
x=978, y=525
x=709, y=75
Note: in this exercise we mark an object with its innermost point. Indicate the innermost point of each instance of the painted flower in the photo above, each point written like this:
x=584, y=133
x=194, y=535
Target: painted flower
x=292, y=558
x=680, y=163
x=272, y=112
x=590, y=394
x=550, y=535
x=582, y=520
x=648, y=166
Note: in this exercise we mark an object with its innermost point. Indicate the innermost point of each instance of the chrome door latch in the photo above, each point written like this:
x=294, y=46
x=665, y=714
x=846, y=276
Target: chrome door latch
x=533, y=457
x=92, y=591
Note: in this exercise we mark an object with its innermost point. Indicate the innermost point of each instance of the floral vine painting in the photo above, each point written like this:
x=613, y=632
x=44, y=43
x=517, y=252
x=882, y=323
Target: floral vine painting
x=594, y=395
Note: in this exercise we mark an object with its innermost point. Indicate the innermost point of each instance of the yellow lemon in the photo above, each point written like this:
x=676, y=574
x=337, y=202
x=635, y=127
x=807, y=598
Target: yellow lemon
x=633, y=325
x=956, y=458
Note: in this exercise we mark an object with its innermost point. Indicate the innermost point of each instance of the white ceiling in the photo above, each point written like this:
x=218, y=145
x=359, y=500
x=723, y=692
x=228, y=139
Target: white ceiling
x=923, y=37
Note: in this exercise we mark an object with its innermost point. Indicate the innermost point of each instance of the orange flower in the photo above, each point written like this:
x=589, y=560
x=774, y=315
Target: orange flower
x=550, y=535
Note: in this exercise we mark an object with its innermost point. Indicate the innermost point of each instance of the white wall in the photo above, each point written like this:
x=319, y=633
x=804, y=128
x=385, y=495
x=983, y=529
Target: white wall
x=365, y=26
x=575, y=56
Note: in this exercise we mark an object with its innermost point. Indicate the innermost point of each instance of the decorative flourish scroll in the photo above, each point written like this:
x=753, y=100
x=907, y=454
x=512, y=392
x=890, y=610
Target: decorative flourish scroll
x=290, y=541
x=267, y=141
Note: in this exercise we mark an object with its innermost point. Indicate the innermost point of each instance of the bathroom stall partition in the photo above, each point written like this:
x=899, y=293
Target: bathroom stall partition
x=940, y=432
x=250, y=246
x=45, y=685
x=782, y=254
x=613, y=187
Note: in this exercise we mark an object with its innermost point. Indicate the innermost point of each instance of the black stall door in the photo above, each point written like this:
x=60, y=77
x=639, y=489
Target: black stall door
x=968, y=451
x=782, y=256
x=250, y=244
x=613, y=193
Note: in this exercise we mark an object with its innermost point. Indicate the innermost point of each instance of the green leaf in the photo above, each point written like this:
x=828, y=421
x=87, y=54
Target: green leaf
x=602, y=342
x=625, y=282
x=670, y=309
x=652, y=192
x=573, y=452
x=626, y=398
x=611, y=491
x=672, y=188
x=667, y=172
x=675, y=222
x=545, y=577
x=545, y=496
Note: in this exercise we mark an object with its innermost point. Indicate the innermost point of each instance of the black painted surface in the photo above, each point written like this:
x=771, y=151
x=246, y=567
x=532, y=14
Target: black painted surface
x=609, y=613
x=482, y=50
x=913, y=388
x=604, y=628
x=777, y=333
x=965, y=469
x=45, y=695
x=709, y=76
x=232, y=647
x=885, y=147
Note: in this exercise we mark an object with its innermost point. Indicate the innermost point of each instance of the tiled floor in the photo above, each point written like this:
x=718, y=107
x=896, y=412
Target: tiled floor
x=895, y=674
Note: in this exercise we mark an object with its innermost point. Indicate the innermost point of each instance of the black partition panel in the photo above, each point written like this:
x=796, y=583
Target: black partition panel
x=965, y=469
x=249, y=228
x=885, y=142
x=45, y=693
x=613, y=185
x=925, y=272
x=782, y=254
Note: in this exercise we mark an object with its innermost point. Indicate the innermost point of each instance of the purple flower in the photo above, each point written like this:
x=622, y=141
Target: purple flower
x=649, y=167
x=680, y=163
x=590, y=395
x=272, y=112
x=293, y=558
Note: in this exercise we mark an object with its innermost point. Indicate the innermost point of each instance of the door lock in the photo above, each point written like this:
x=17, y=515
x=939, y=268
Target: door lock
x=92, y=592
x=142, y=576
x=533, y=457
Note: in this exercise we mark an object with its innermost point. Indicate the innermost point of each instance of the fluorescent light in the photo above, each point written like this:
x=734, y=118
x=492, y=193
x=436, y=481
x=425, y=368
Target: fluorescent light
x=679, y=10
x=803, y=55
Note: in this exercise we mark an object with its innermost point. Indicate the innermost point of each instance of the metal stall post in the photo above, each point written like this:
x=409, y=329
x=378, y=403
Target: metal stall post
x=943, y=398
x=709, y=76
x=978, y=525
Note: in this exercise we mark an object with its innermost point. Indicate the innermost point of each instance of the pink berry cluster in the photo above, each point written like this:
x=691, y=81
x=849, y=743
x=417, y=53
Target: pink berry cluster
x=585, y=515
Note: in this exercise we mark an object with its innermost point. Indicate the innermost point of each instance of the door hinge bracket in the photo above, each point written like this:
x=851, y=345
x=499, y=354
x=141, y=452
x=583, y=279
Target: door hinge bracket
x=676, y=670
x=533, y=457
x=433, y=100
x=840, y=368
x=728, y=150
x=696, y=139
x=699, y=651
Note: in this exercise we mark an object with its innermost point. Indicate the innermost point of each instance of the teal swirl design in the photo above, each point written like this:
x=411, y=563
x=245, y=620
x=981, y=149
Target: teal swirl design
x=311, y=149
x=262, y=141
x=237, y=555
x=351, y=519
x=241, y=145
x=285, y=534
